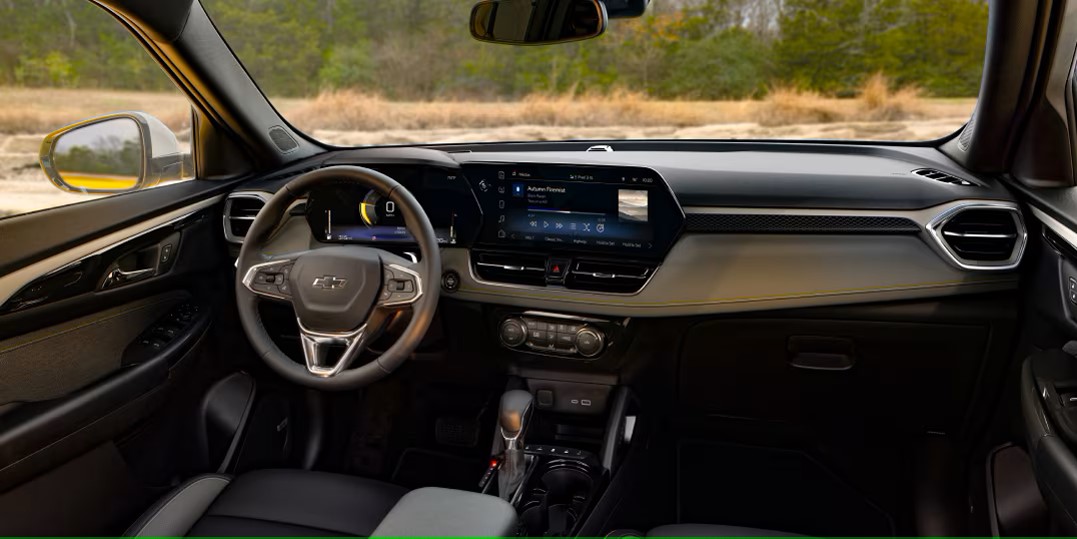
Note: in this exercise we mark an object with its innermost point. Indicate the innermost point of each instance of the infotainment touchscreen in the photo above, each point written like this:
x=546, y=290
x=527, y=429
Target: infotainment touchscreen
x=575, y=208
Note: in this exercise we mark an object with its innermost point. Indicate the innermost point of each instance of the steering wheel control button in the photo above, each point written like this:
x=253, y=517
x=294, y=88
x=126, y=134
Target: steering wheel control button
x=266, y=282
x=450, y=281
x=589, y=342
x=401, y=287
x=271, y=279
x=513, y=333
x=284, y=285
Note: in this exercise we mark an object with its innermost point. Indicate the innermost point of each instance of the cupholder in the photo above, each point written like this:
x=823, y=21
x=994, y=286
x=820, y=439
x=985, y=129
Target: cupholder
x=554, y=506
x=567, y=482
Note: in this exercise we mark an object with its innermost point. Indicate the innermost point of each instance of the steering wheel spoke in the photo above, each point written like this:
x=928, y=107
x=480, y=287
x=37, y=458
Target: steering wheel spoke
x=402, y=284
x=317, y=345
x=271, y=279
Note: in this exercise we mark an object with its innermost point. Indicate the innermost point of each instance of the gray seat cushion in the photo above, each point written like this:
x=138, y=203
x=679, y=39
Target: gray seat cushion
x=713, y=530
x=271, y=503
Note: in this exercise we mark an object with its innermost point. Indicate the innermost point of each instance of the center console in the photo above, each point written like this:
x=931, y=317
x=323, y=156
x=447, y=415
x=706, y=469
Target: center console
x=554, y=467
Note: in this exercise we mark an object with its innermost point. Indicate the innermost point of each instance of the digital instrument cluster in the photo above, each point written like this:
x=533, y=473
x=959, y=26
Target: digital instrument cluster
x=350, y=213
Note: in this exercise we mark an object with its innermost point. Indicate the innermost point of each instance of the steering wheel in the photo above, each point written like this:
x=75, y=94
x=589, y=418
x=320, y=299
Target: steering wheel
x=344, y=296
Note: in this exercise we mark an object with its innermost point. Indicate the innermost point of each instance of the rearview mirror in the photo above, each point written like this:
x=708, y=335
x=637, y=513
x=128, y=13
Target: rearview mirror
x=625, y=9
x=537, y=22
x=116, y=153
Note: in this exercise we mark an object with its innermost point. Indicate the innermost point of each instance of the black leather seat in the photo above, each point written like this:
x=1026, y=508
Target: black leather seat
x=713, y=530
x=701, y=530
x=271, y=503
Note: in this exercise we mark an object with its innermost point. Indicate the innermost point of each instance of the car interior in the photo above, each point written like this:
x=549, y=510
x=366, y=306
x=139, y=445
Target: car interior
x=550, y=338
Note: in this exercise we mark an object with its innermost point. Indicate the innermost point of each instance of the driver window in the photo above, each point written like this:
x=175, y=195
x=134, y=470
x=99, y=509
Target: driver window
x=63, y=62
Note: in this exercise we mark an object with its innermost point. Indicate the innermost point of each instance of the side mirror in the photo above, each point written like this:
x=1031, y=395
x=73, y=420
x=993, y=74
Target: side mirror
x=537, y=22
x=117, y=153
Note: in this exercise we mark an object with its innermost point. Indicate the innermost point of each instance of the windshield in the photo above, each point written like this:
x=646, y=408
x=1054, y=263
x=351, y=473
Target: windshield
x=364, y=72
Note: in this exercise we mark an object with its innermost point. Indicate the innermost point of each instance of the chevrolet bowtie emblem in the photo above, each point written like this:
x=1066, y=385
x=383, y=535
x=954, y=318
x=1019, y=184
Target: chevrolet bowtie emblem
x=329, y=282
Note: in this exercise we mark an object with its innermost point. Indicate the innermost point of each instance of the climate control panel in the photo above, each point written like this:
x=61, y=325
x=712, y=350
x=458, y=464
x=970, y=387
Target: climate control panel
x=550, y=334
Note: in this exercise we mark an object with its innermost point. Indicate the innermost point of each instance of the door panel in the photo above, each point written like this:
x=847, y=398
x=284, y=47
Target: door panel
x=55, y=361
x=96, y=337
x=1047, y=378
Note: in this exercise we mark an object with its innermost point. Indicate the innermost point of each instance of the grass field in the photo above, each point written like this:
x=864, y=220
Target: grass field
x=353, y=118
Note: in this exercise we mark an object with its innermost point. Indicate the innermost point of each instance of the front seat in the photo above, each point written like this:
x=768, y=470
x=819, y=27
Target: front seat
x=713, y=530
x=271, y=503
x=702, y=530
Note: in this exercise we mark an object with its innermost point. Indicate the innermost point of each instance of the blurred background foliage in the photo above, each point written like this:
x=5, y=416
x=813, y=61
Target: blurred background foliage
x=421, y=49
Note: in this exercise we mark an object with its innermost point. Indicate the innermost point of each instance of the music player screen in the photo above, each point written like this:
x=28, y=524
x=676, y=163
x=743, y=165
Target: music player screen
x=574, y=207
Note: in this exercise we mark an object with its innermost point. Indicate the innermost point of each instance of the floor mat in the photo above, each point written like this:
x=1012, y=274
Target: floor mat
x=773, y=489
x=425, y=468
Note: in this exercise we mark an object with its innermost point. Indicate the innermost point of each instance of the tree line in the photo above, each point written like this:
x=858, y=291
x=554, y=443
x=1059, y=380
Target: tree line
x=421, y=49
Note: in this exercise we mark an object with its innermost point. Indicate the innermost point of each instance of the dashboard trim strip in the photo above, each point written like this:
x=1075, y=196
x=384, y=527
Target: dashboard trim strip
x=930, y=220
x=798, y=223
x=748, y=299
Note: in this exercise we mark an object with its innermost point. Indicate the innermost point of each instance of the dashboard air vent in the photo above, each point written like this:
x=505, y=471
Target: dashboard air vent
x=944, y=177
x=511, y=268
x=620, y=277
x=239, y=212
x=984, y=237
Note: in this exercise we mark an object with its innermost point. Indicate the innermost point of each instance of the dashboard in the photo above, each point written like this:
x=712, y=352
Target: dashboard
x=739, y=227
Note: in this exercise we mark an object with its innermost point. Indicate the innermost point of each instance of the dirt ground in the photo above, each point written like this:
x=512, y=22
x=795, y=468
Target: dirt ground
x=24, y=188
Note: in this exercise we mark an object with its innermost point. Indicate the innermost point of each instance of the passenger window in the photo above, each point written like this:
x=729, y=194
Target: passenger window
x=70, y=62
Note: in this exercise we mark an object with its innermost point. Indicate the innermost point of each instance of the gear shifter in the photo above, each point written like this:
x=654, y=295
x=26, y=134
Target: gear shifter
x=514, y=416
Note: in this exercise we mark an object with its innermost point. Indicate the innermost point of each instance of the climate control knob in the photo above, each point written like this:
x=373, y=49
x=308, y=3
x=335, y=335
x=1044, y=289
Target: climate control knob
x=513, y=332
x=589, y=342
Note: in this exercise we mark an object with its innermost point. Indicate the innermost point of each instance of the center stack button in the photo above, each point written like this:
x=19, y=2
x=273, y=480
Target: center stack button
x=589, y=342
x=513, y=332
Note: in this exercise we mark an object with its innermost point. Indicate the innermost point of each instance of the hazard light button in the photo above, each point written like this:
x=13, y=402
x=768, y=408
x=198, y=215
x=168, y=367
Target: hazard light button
x=556, y=269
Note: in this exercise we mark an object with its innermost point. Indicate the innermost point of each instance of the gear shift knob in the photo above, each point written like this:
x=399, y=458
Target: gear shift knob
x=515, y=412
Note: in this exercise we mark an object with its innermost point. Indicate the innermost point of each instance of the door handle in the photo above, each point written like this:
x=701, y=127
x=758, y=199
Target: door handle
x=121, y=275
x=141, y=264
x=148, y=261
x=821, y=353
x=118, y=276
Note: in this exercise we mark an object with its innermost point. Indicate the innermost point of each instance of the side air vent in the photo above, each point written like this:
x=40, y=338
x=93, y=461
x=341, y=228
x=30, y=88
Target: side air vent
x=619, y=277
x=284, y=142
x=511, y=268
x=239, y=212
x=983, y=237
x=944, y=177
